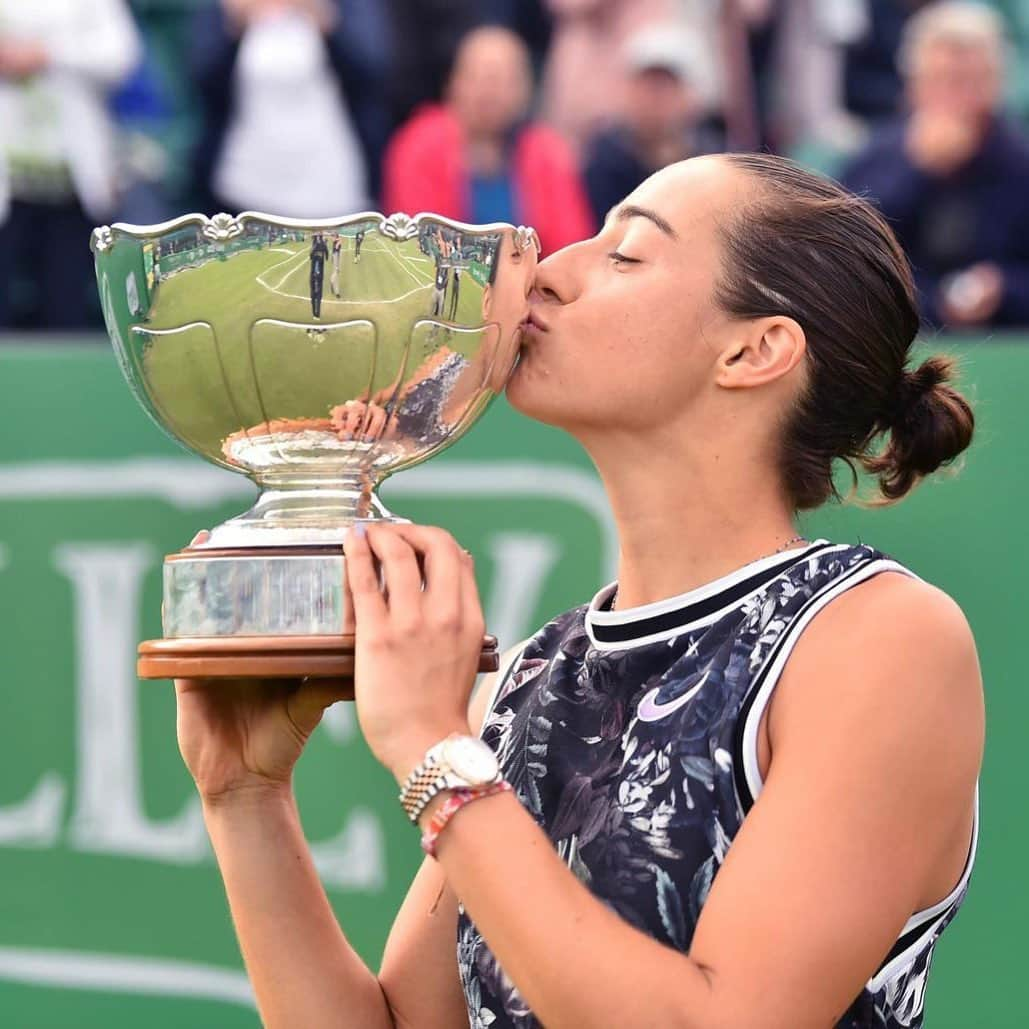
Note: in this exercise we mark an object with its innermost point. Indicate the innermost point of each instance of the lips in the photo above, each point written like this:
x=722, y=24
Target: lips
x=534, y=321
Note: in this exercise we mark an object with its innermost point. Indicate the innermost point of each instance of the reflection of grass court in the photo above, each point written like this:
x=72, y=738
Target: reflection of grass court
x=301, y=369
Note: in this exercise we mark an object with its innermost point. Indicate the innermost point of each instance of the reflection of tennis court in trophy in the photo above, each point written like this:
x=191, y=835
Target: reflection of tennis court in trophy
x=257, y=305
x=378, y=274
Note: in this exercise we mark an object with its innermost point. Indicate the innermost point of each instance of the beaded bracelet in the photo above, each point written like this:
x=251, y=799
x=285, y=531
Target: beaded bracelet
x=454, y=802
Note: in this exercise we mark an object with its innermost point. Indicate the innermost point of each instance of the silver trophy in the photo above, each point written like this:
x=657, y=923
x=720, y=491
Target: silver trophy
x=317, y=358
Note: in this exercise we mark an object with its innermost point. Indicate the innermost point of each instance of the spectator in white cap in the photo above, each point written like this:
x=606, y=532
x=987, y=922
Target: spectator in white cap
x=662, y=116
x=582, y=70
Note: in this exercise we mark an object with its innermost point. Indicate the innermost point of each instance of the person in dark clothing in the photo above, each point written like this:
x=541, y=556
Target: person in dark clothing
x=337, y=257
x=872, y=86
x=319, y=252
x=359, y=49
x=662, y=120
x=439, y=289
x=427, y=33
x=358, y=240
x=951, y=175
x=455, y=293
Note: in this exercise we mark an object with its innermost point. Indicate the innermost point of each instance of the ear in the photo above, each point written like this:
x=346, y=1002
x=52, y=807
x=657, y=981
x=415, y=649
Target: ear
x=770, y=349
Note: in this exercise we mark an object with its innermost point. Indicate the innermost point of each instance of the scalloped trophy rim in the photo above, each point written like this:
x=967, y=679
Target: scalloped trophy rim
x=224, y=226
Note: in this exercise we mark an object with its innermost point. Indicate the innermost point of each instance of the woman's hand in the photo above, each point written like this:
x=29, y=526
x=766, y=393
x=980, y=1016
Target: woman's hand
x=241, y=735
x=418, y=643
x=364, y=421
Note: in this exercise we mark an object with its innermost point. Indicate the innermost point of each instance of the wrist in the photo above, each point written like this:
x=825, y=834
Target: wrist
x=404, y=756
x=257, y=797
x=459, y=763
x=434, y=824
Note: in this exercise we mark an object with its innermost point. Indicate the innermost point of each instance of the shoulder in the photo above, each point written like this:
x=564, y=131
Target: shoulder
x=888, y=138
x=909, y=619
x=889, y=667
x=429, y=125
x=539, y=143
x=885, y=144
x=1013, y=144
x=611, y=141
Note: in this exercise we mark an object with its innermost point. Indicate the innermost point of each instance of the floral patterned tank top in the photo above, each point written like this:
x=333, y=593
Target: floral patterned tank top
x=631, y=738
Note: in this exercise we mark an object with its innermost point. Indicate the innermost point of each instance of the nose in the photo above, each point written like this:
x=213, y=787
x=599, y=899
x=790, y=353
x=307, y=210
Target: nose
x=555, y=280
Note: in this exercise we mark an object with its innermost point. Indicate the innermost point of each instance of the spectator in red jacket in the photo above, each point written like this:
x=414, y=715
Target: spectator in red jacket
x=476, y=157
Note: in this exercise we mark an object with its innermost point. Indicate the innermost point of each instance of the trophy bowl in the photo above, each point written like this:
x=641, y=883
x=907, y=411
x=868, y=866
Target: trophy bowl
x=317, y=358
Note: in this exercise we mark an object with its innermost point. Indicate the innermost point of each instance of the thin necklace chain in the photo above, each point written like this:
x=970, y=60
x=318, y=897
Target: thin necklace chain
x=778, y=550
x=789, y=543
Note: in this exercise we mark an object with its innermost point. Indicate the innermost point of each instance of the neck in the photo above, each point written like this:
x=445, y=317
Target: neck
x=485, y=154
x=685, y=519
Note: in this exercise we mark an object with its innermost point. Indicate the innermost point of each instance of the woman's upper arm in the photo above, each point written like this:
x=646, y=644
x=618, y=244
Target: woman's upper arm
x=419, y=975
x=876, y=731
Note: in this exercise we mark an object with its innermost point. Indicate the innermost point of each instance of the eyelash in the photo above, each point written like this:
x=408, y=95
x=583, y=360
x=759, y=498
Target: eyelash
x=621, y=258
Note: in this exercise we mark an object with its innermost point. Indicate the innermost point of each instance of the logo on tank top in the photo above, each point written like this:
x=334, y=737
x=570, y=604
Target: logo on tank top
x=650, y=710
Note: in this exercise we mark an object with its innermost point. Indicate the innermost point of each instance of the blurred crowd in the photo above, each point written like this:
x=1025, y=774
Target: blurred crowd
x=543, y=112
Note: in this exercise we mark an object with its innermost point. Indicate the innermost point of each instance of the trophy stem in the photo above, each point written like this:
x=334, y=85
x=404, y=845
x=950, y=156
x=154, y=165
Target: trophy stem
x=295, y=509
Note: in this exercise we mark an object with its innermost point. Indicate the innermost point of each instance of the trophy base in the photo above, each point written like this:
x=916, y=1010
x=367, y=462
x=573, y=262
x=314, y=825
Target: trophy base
x=266, y=657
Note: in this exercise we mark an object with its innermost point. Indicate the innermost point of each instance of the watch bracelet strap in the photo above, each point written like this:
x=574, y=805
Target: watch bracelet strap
x=421, y=786
x=420, y=801
x=458, y=799
x=429, y=764
x=429, y=779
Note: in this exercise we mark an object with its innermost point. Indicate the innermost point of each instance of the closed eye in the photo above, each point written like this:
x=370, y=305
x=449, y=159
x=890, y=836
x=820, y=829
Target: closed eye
x=622, y=259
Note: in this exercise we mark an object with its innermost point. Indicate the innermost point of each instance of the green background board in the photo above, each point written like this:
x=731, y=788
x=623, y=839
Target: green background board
x=112, y=913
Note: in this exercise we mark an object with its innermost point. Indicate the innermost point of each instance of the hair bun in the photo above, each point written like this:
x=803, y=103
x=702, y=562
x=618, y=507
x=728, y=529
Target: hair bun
x=930, y=425
x=917, y=386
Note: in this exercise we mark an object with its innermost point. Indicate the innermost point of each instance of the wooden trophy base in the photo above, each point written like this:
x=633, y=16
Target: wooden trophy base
x=263, y=657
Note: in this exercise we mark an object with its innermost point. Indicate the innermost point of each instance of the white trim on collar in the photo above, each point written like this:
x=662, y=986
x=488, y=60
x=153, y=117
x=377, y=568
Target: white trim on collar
x=595, y=615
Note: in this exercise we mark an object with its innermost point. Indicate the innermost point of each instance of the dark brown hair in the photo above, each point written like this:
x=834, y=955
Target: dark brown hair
x=808, y=249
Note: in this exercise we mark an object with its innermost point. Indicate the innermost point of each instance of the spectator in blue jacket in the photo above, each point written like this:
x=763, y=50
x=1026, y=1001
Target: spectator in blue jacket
x=951, y=175
x=661, y=120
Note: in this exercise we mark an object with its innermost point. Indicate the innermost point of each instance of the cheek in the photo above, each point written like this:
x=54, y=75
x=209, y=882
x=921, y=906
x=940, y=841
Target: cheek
x=631, y=354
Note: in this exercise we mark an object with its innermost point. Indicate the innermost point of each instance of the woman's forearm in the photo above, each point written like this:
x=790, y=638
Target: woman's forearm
x=303, y=970
x=577, y=964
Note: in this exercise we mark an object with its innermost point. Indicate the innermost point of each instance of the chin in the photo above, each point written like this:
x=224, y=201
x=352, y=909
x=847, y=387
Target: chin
x=521, y=390
x=529, y=395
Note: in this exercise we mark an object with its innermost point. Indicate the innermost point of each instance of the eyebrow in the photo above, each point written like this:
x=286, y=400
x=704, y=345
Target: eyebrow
x=627, y=211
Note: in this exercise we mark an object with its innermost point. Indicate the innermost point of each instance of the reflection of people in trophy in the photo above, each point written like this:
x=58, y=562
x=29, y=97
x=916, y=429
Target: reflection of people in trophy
x=423, y=404
x=439, y=289
x=453, y=254
x=455, y=291
x=423, y=407
x=358, y=240
x=337, y=254
x=319, y=252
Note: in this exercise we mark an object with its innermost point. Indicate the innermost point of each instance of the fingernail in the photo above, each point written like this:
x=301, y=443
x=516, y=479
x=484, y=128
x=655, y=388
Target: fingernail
x=360, y=529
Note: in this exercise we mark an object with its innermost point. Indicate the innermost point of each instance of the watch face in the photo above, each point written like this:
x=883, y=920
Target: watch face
x=471, y=759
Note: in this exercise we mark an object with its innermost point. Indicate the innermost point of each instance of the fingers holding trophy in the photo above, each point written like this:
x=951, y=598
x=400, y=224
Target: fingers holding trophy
x=230, y=341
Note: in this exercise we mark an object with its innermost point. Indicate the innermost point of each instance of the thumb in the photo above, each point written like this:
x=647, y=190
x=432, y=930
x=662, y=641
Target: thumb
x=307, y=705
